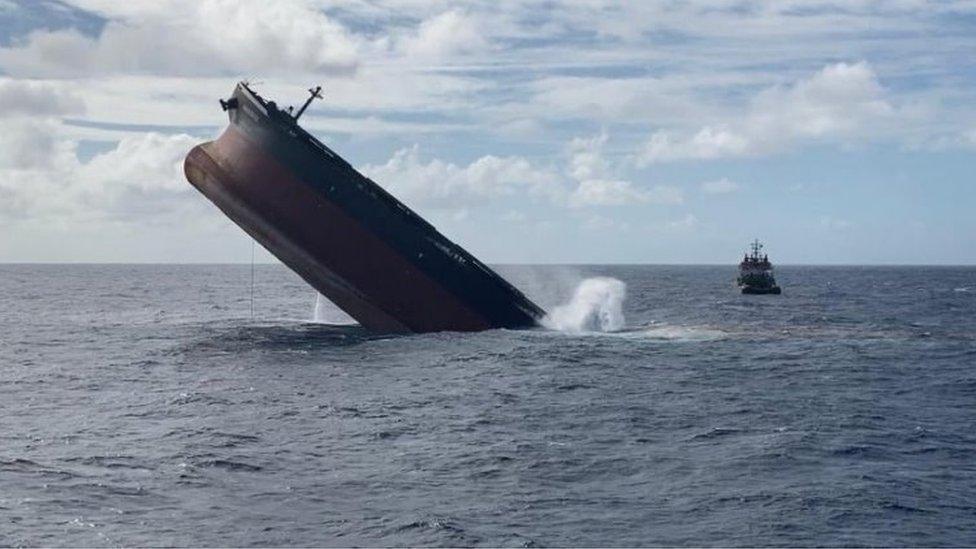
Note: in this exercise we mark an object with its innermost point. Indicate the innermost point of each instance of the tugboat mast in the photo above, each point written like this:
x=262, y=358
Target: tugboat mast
x=756, y=247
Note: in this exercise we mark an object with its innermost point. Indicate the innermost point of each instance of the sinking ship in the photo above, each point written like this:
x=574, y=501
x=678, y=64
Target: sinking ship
x=756, y=273
x=355, y=243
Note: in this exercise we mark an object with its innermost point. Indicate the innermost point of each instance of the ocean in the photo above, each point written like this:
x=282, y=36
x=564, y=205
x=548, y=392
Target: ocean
x=147, y=405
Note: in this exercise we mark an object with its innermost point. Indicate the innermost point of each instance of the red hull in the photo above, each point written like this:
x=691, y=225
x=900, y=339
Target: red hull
x=332, y=251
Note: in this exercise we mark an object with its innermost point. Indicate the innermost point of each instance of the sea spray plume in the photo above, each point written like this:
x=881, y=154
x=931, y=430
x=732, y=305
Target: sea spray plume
x=326, y=312
x=547, y=286
x=596, y=306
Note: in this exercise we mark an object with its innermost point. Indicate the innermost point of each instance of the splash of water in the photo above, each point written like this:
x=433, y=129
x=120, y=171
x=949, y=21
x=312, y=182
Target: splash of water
x=326, y=312
x=596, y=306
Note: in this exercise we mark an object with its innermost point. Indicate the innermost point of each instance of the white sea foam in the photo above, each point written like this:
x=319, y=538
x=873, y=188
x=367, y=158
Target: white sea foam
x=326, y=312
x=596, y=306
x=683, y=333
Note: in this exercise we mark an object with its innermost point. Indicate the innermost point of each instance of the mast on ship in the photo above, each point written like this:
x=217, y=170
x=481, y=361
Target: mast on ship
x=315, y=94
x=756, y=248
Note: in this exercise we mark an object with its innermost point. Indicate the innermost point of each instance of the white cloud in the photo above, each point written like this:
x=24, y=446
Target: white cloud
x=26, y=144
x=444, y=35
x=660, y=100
x=141, y=177
x=841, y=101
x=148, y=163
x=445, y=185
x=719, y=186
x=597, y=183
x=183, y=37
x=690, y=80
x=365, y=98
x=708, y=143
x=586, y=158
x=506, y=68
x=519, y=128
x=439, y=184
x=25, y=97
x=29, y=111
x=129, y=203
x=604, y=192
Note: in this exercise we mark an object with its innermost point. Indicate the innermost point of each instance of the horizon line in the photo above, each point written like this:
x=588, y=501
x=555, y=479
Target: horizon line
x=502, y=263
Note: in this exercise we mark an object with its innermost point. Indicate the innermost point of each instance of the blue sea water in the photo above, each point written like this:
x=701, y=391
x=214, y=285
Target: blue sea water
x=144, y=405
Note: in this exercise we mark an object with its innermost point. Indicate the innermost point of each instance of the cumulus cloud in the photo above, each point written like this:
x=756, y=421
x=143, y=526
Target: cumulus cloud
x=668, y=79
x=148, y=163
x=707, y=143
x=589, y=180
x=586, y=157
x=25, y=97
x=186, y=37
x=523, y=72
x=596, y=184
x=841, y=101
x=141, y=177
x=443, y=35
x=604, y=192
x=27, y=144
x=445, y=185
x=29, y=111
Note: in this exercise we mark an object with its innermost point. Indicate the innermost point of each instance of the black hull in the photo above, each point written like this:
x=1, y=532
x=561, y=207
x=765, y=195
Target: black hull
x=346, y=236
x=753, y=290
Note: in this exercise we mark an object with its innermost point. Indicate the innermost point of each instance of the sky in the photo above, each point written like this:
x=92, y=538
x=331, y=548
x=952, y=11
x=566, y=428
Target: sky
x=584, y=131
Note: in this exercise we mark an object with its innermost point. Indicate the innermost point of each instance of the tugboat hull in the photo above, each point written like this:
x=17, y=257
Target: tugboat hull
x=752, y=290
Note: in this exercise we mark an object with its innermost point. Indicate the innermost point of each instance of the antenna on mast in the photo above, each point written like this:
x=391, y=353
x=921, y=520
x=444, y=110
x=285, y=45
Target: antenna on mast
x=756, y=246
x=316, y=94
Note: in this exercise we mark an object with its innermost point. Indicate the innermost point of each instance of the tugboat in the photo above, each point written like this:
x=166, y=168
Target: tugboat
x=756, y=273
